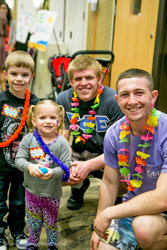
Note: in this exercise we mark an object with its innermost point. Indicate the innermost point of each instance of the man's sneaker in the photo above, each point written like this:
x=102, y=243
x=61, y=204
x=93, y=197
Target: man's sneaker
x=31, y=247
x=20, y=240
x=4, y=245
x=76, y=199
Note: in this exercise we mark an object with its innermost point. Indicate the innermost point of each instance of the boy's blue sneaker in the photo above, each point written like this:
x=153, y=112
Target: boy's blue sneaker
x=4, y=245
x=31, y=247
x=20, y=240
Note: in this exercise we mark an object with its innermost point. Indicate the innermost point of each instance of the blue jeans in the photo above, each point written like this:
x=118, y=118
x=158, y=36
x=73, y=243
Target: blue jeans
x=11, y=189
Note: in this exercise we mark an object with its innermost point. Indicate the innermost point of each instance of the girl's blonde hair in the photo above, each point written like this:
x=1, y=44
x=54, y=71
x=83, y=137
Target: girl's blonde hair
x=34, y=109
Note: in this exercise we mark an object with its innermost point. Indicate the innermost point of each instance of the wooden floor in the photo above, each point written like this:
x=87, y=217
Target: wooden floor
x=74, y=226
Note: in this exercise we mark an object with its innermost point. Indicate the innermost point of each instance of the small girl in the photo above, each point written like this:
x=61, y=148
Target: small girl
x=43, y=156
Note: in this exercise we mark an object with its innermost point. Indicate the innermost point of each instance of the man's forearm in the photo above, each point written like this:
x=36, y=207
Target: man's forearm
x=148, y=203
x=96, y=163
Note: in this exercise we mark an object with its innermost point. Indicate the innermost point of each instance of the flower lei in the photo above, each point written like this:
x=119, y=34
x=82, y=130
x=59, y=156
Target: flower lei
x=141, y=156
x=54, y=158
x=22, y=122
x=91, y=119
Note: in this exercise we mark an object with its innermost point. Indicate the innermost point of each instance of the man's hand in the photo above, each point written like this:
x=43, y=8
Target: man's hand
x=80, y=169
x=101, y=223
x=94, y=242
x=78, y=172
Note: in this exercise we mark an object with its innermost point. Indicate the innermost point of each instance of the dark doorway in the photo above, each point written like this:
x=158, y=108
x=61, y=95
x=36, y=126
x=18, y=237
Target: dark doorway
x=160, y=58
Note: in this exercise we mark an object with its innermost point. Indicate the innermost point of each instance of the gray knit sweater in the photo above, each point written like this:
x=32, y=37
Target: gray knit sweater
x=30, y=151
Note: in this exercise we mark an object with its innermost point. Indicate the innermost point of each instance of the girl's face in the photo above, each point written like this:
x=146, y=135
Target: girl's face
x=47, y=120
x=4, y=8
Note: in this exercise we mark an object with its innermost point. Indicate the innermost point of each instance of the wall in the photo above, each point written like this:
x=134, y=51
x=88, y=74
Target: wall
x=59, y=7
x=42, y=85
x=75, y=25
x=100, y=26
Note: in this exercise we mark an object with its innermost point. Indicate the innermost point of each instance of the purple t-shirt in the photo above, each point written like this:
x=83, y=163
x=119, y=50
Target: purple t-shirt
x=155, y=164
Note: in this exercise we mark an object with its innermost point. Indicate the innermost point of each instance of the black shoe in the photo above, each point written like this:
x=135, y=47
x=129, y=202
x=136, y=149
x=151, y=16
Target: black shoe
x=52, y=248
x=31, y=247
x=4, y=245
x=20, y=240
x=76, y=199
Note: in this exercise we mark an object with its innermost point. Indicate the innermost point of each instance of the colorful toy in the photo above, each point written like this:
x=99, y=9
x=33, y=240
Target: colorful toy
x=44, y=170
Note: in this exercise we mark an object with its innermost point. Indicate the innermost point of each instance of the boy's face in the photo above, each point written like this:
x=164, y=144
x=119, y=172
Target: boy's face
x=18, y=79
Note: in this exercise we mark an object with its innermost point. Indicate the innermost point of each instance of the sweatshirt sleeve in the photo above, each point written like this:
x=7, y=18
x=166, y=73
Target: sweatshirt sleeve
x=64, y=156
x=22, y=156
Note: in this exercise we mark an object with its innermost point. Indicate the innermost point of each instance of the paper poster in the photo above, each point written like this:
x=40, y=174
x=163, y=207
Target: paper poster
x=23, y=26
x=43, y=28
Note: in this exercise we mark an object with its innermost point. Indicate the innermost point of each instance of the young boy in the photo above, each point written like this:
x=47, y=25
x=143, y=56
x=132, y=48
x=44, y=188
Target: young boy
x=14, y=103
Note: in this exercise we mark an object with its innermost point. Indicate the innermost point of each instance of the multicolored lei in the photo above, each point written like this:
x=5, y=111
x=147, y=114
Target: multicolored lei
x=91, y=120
x=141, y=157
x=22, y=121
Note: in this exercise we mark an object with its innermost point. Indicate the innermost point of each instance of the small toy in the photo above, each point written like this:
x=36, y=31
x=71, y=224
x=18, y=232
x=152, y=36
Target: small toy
x=44, y=170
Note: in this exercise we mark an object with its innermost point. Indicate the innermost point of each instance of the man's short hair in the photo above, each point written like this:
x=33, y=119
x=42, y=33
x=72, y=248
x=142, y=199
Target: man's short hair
x=82, y=62
x=134, y=72
x=19, y=58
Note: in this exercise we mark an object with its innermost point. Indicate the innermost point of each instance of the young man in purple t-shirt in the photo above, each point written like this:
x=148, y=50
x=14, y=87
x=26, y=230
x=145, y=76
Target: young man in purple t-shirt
x=136, y=147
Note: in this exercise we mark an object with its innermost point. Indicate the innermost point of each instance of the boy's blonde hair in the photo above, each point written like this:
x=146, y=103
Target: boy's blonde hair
x=34, y=109
x=82, y=62
x=20, y=58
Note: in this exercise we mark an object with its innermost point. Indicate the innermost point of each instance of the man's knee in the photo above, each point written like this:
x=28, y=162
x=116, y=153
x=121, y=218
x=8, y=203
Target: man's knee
x=104, y=246
x=143, y=232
